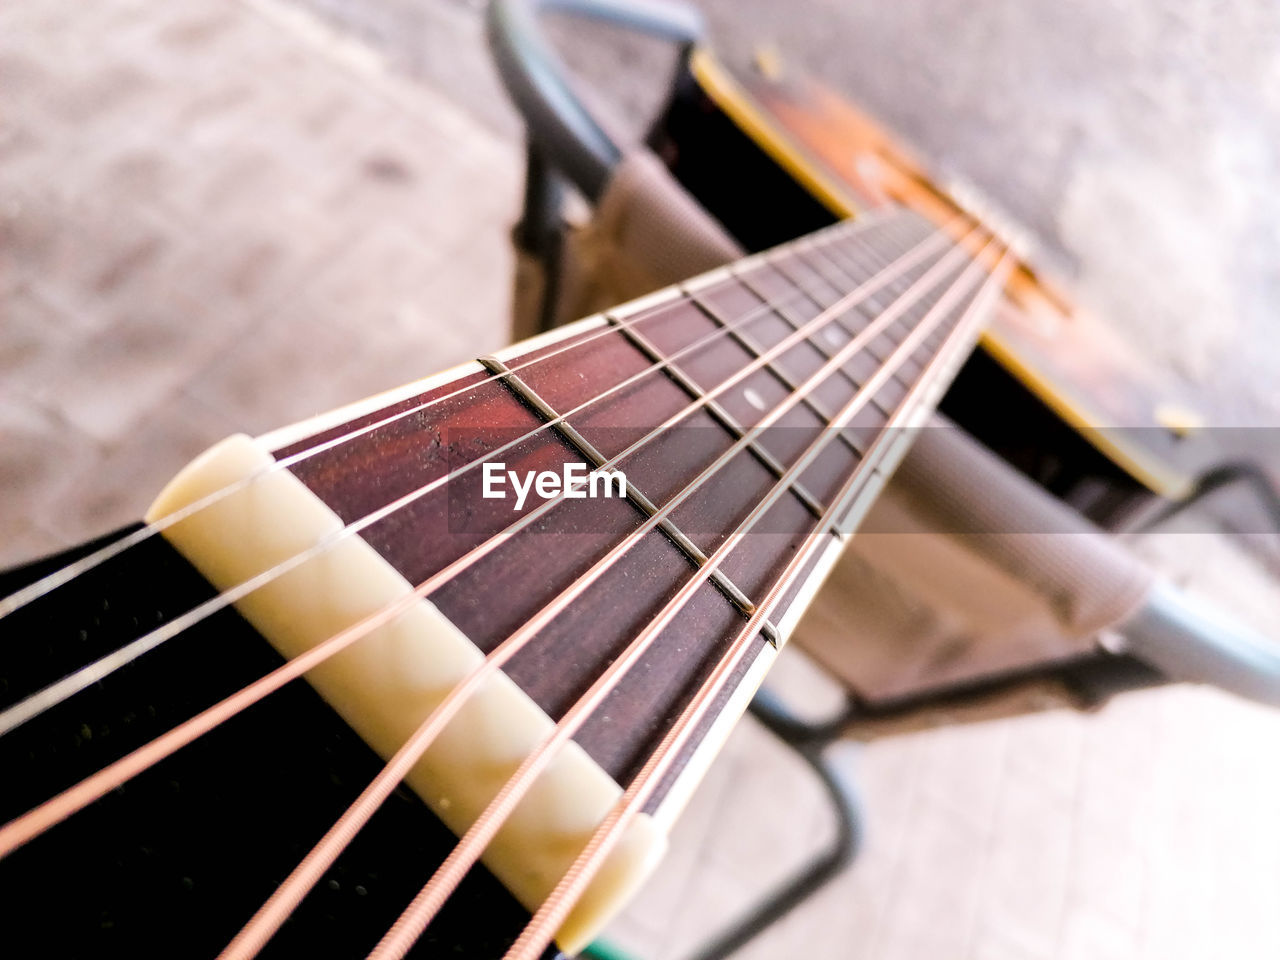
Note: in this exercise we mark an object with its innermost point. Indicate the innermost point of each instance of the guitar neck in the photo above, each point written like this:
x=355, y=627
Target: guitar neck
x=745, y=368
x=627, y=517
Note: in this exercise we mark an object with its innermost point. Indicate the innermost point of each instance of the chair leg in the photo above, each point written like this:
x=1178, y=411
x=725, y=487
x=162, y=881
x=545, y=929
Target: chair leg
x=539, y=231
x=809, y=741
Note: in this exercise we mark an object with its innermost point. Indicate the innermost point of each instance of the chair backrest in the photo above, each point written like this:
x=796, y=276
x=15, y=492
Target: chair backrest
x=646, y=233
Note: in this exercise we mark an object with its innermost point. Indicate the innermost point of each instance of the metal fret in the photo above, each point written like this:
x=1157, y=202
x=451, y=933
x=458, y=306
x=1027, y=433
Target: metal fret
x=813, y=403
x=717, y=410
x=853, y=259
x=790, y=276
x=871, y=303
x=869, y=307
x=532, y=399
x=788, y=317
x=913, y=409
x=894, y=287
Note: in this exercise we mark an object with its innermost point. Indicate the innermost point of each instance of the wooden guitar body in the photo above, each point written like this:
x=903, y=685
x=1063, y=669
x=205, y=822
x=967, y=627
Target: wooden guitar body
x=1052, y=389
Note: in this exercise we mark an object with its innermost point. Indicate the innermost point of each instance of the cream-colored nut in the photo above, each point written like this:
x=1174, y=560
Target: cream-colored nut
x=387, y=683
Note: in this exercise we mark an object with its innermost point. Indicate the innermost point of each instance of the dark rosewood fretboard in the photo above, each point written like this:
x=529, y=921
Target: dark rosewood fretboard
x=780, y=292
x=179, y=834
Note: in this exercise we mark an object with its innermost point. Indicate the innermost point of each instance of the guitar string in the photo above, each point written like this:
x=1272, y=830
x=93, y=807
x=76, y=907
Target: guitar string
x=290, y=893
x=74, y=798
x=853, y=230
x=40, y=818
x=19, y=830
x=92, y=673
x=55, y=693
x=414, y=920
x=538, y=933
x=840, y=232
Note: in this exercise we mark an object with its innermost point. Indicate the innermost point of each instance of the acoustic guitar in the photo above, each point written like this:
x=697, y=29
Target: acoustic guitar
x=433, y=674
x=1052, y=388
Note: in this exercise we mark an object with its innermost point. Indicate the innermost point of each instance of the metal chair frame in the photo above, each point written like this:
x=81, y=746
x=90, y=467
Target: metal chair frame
x=1170, y=638
x=566, y=146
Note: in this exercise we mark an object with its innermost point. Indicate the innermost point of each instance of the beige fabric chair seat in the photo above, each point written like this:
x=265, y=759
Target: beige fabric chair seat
x=934, y=591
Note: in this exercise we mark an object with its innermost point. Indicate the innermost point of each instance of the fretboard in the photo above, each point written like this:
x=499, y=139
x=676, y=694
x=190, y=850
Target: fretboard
x=753, y=414
x=870, y=319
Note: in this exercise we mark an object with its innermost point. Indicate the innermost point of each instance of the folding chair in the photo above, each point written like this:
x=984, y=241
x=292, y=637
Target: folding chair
x=969, y=592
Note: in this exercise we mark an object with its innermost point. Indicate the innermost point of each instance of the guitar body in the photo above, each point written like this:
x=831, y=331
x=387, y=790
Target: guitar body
x=1051, y=389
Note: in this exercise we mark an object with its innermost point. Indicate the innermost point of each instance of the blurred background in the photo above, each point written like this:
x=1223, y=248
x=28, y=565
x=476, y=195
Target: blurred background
x=220, y=216
x=1138, y=142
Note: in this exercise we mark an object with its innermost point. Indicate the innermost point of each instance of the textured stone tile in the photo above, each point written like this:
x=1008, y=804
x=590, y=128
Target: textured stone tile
x=40, y=456
x=89, y=257
x=118, y=486
x=378, y=270
x=36, y=338
x=963, y=769
x=249, y=268
x=1089, y=934
x=843, y=918
x=1025, y=880
x=645, y=924
x=175, y=237
x=1047, y=746
x=1108, y=873
x=936, y=886
x=284, y=371
x=764, y=841
x=1006, y=939
x=24, y=540
x=116, y=376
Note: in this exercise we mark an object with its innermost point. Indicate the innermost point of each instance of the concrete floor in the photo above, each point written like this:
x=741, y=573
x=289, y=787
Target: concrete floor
x=194, y=249
x=228, y=215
